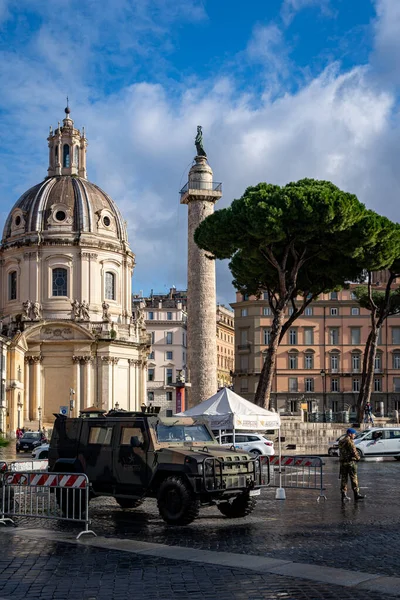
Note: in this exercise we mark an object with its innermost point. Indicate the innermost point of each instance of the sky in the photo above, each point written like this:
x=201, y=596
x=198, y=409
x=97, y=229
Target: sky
x=284, y=89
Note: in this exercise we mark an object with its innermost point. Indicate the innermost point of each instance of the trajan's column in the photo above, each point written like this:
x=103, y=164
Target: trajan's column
x=200, y=194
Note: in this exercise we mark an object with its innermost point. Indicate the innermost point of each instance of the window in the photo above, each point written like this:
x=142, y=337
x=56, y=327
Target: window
x=377, y=384
x=290, y=311
x=150, y=374
x=169, y=396
x=168, y=376
x=293, y=384
x=110, y=286
x=128, y=432
x=356, y=362
x=356, y=384
x=378, y=362
x=309, y=361
x=151, y=356
x=100, y=435
x=243, y=312
x=66, y=158
x=308, y=336
x=265, y=296
x=267, y=337
x=152, y=337
x=292, y=337
x=60, y=282
x=76, y=155
x=396, y=384
x=355, y=311
x=355, y=336
x=334, y=336
x=309, y=384
x=266, y=311
x=292, y=361
x=334, y=295
x=12, y=285
x=244, y=385
x=308, y=311
x=395, y=335
x=334, y=384
x=334, y=360
x=245, y=297
x=353, y=296
x=396, y=360
x=150, y=396
x=150, y=316
x=169, y=337
x=293, y=406
x=335, y=406
x=169, y=355
x=169, y=316
x=334, y=312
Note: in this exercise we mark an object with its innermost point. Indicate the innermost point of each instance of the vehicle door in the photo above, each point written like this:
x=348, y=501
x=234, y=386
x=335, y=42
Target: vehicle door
x=96, y=454
x=392, y=442
x=241, y=441
x=373, y=443
x=130, y=463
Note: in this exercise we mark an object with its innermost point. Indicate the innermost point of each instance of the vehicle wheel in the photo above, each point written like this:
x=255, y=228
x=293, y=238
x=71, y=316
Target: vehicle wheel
x=128, y=503
x=65, y=503
x=241, y=506
x=360, y=454
x=330, y=452
x=255, y=452
x=44, y=455
x=397, y=457
x=176, y=502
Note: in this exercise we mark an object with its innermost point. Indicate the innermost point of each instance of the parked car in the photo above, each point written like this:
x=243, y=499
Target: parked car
x=29, y=441
x=255, y=443
x=333, y=447
x=379, y=441
x=41, y=452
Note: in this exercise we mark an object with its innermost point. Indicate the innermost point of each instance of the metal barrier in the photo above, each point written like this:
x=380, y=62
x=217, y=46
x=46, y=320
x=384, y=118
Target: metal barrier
x=57, y=496
x=298, y=472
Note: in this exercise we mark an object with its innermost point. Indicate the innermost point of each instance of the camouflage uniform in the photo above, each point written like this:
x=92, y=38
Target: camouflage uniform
x=348, y=467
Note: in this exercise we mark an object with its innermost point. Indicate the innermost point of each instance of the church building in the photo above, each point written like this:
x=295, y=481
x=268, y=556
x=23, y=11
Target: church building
x=69, y=338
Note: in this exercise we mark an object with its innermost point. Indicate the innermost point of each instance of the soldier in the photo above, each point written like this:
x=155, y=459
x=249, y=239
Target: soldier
x=348, y=465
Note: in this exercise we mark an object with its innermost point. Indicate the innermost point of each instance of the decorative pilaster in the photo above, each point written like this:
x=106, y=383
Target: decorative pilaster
x=87, y=361
x=37, y=380
x=28, y=362
x=77, y=360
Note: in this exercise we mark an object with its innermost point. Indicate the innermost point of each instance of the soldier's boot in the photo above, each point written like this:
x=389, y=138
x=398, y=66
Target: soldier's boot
x=358, y=496
x=345, y=497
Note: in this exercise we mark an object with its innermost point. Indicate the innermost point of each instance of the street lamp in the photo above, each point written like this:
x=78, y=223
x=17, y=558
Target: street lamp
x=323, y=375
x=40, y=417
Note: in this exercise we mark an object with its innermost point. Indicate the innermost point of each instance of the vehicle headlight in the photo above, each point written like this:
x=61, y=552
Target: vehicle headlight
x=200, y=467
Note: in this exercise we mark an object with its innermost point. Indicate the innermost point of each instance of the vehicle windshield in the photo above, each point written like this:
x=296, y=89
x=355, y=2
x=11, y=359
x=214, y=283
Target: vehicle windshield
x=183, y=433
x=31, y=436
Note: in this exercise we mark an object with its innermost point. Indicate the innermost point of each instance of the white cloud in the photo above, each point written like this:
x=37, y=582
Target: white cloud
x=291, y=7
x=386, y=56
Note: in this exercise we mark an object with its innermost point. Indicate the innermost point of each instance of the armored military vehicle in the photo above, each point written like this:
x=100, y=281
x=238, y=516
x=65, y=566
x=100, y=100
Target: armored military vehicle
x=132, y=456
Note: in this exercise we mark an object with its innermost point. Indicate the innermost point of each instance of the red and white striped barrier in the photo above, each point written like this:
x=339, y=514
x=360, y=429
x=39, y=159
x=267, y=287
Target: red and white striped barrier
x=47, y=480
x=297, y=472
x=292, y=461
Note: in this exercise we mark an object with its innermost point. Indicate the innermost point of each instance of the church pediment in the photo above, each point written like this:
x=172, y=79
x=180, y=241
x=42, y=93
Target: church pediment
x=57, y=332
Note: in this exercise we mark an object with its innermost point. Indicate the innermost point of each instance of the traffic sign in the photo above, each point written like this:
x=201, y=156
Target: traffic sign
x=64, y=410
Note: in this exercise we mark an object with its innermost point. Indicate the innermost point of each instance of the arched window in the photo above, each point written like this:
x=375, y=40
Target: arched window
x=66, y=159
x=56, y=154
x=12, y=285
x=60, y=282
x=110, y=286
x=76, y=155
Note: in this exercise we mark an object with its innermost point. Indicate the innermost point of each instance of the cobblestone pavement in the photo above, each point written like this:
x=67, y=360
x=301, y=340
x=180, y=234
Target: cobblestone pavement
x=43, y=570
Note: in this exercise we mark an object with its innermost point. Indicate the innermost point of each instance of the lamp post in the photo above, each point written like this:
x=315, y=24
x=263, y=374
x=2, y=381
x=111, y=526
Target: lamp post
x=71, y=402
x=323, y=375
x=19, y=407
x=40, y=417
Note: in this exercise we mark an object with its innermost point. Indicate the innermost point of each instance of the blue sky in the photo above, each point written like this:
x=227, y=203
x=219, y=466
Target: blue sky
x=284, y=89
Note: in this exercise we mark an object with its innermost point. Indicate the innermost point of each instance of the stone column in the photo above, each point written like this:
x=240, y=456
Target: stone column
x=132, y=385
x=37, y=394
x=28, y=362
x=106, y=380
x=138, y=399
x=200, y=195
x=87, y=361
x=77, y=385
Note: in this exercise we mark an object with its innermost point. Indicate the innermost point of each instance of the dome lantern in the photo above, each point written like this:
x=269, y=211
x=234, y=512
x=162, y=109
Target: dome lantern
x=67, y=149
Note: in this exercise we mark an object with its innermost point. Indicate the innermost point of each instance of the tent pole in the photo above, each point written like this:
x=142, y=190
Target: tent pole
x=280, y=491
x=234, y=433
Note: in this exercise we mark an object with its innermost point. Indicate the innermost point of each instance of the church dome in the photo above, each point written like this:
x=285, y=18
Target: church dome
x=64, y=204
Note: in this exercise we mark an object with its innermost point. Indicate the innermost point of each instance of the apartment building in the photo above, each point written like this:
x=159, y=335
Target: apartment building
x=166, y=322
x=225, y=345
x=319, y=360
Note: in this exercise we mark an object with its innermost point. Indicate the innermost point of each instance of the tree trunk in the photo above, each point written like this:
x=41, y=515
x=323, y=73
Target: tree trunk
x=369, y=377
x=263, y=393
x=361, y=393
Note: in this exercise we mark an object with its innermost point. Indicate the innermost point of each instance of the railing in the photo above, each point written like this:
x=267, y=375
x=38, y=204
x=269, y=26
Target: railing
x=245, y=346
x=209, y=186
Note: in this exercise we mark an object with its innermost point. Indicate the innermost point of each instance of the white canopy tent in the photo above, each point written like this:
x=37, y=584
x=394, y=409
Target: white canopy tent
x=227, y=410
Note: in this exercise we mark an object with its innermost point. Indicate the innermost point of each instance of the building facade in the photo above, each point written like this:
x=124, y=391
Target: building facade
x=319, y=360
x=166, y=323
x=225, y=346
x=65, y=295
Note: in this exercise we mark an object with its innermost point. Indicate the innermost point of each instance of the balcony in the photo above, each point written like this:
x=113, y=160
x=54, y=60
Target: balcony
x=208, y=186
x=242, y=371
x=244, y=347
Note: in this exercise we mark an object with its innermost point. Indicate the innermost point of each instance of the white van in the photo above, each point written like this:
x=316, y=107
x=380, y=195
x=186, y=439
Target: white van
x=379, y=441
